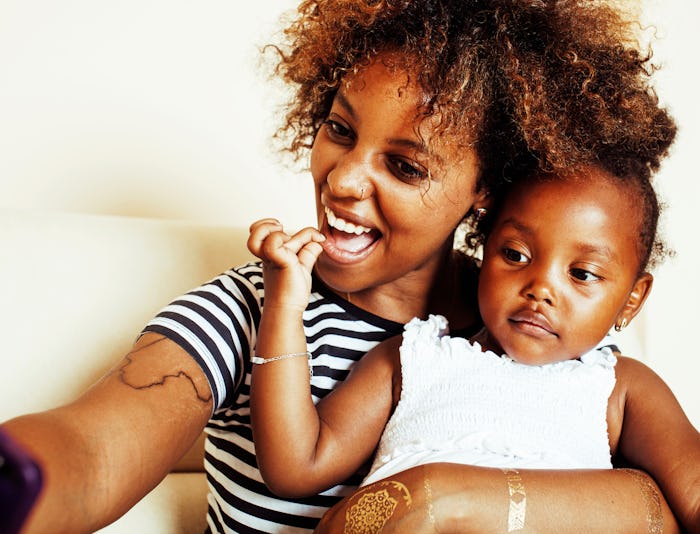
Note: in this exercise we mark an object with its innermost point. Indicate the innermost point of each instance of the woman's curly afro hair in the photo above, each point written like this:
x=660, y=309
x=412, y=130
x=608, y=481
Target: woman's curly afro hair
x=530, y=84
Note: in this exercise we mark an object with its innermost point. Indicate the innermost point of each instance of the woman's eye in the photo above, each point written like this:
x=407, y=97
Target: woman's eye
x=337, y=130
x=584, y=275
x=514, y=256
x=407, y=171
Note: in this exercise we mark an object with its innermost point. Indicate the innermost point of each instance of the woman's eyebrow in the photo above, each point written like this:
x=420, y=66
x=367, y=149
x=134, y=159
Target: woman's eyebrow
x=345, y=103
x=418, y=145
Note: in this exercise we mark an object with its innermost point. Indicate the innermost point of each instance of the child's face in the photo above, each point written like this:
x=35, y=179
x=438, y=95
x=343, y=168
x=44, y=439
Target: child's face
x=559, y=267
x=372, y=170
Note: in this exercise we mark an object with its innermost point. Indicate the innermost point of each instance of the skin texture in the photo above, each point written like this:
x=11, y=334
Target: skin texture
x=476, y=500
x=547, y=295
x=104, y=451
x=565, y=252
x=107, y=449
x=372, y=168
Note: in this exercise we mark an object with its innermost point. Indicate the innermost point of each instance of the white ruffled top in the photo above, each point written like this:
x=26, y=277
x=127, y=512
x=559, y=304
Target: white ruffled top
x=459, y=404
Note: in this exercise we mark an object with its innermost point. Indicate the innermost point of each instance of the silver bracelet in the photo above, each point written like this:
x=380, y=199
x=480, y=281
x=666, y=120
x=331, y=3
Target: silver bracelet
x=260, y=361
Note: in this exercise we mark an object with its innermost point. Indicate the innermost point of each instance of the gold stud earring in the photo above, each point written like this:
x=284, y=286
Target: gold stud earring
x=621, y=326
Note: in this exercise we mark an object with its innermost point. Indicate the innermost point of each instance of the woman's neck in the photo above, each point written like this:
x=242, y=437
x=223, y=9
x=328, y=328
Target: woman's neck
x=450, y=291
x=454, y=293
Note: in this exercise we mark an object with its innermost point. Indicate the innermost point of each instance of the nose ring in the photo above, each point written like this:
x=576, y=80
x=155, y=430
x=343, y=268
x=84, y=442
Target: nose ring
x=362, y=192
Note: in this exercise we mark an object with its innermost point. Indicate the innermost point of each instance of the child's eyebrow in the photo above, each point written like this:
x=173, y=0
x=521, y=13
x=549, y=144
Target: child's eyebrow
x=518, y=225
x=584, y=247
x=599, y=250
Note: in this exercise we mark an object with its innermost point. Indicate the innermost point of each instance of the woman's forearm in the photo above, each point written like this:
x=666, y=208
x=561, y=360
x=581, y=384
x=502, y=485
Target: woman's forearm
x=103, y=452
x=449, y=498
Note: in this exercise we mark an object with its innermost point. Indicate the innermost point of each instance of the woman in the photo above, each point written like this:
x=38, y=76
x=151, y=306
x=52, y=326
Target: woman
x=417, y=112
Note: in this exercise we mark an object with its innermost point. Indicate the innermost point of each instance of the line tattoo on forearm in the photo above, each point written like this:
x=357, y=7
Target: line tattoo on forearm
x=129, y=361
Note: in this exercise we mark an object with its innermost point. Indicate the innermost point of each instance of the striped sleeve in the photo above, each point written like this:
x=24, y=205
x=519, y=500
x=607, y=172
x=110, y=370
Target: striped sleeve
x=216, y=324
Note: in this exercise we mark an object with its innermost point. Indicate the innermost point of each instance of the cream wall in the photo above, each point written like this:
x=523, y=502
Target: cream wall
x=143, y=108
x=153, y=109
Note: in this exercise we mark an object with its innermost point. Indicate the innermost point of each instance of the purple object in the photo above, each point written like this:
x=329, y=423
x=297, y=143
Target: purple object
x=20, y=484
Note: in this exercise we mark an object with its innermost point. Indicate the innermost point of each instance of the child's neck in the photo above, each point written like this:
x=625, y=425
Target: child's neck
x=487, y=341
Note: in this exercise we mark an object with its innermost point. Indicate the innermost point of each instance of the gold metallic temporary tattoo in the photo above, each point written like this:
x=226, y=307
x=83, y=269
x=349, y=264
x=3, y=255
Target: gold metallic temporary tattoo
x=429, y=498
x=375, y=506
x=518, y=502
x=652, y=502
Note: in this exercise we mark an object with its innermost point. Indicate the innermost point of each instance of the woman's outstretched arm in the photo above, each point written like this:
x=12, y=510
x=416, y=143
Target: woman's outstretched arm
x=106, y=450
x=460, y=499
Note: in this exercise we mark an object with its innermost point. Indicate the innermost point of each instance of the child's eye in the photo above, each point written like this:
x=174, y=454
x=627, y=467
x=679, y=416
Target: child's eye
x=337, y=130
x=584, y=275
x=408, y=171
x=514, y=256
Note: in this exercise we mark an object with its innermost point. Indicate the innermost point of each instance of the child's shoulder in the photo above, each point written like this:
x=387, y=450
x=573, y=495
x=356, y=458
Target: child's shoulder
x=631, y=369
x=638, y=387
x=633, y=377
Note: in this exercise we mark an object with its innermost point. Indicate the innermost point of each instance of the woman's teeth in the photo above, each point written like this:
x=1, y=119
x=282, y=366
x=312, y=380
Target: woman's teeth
x=343, y=225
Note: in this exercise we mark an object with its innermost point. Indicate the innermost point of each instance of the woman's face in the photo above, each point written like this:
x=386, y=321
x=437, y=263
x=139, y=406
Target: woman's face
x=387, y=206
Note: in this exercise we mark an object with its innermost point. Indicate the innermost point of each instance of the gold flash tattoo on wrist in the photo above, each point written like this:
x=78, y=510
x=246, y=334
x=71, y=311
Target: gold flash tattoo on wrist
x=652, y=502
x=374, y=507
x=427, y=486
x=517, y=500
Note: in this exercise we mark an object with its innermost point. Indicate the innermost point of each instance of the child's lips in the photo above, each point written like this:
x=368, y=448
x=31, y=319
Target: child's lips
x=532, y=323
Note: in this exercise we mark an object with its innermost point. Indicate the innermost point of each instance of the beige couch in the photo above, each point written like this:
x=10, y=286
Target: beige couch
x=75, y=291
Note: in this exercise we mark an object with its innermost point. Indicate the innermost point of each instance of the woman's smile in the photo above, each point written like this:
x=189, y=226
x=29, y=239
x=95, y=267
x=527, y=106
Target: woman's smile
x=347, y=241
x=386, y=201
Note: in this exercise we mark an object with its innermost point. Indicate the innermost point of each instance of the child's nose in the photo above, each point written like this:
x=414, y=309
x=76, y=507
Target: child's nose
x=541, y=289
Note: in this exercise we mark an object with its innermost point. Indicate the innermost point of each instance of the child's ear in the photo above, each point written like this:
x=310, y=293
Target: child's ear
x=635, y=301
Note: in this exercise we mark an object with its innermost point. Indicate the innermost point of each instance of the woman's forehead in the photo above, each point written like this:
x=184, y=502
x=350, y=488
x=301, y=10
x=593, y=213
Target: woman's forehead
x=387, y=83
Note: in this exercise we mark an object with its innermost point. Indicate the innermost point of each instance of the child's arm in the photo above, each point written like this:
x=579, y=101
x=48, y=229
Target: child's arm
x=302, y=451
x=656, y=436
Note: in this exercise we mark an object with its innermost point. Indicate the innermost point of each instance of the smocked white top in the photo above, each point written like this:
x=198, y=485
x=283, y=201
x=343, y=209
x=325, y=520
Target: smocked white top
x=459, y=404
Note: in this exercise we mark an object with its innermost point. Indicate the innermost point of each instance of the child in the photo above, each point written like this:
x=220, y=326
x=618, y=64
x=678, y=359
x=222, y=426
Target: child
x=563, y=263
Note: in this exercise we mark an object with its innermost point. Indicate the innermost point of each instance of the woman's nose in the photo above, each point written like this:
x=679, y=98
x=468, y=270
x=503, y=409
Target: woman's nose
x=351, y=178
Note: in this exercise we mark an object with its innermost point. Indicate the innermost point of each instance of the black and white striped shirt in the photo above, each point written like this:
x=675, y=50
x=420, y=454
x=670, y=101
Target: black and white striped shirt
x=217, y=325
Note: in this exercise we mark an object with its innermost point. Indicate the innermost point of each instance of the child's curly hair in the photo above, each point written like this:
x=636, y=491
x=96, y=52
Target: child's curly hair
x=651, y=247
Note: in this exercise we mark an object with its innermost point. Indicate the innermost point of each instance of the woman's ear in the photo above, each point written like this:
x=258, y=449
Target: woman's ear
x=482, y=200
x=635, y=301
